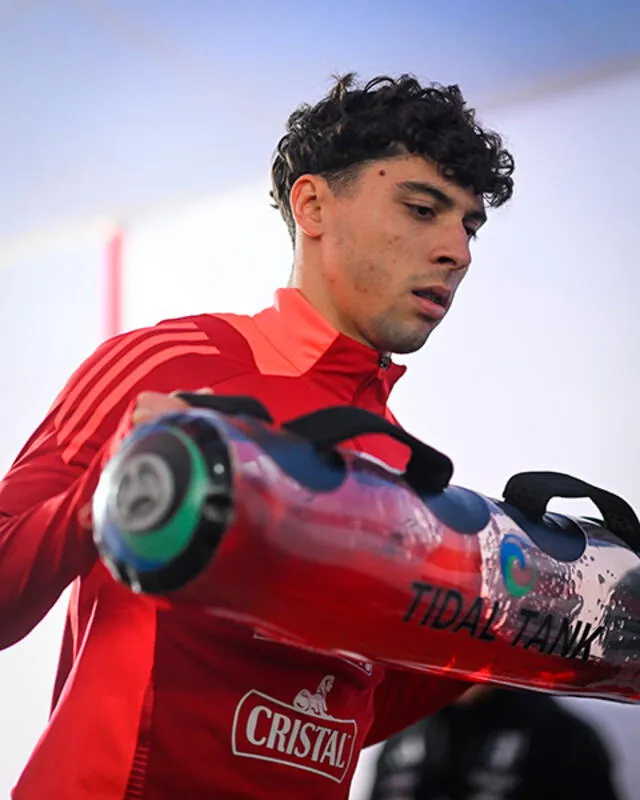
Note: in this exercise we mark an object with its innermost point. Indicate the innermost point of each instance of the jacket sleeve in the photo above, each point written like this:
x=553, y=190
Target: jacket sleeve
x=404, y=698
x=45, y=529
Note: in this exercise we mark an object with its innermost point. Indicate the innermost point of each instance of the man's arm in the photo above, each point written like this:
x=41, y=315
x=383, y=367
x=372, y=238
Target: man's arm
x=45, y=533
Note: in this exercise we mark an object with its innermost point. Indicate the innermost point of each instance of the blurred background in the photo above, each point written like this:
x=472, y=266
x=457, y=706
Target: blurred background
x=135, y=143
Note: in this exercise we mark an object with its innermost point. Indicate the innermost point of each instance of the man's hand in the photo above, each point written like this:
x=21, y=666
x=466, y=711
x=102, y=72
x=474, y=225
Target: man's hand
x=150, y=405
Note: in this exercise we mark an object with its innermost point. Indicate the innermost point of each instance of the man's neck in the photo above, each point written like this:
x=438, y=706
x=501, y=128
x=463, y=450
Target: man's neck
x=320, y=298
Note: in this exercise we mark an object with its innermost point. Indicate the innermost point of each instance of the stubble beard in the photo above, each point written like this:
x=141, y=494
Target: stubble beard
x=393, y=337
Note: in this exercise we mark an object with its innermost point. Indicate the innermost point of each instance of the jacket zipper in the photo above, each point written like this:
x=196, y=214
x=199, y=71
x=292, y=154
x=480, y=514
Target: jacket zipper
x=138, y=772
x=384, y=362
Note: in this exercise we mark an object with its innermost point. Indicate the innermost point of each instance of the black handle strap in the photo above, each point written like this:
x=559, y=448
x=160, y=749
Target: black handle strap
x=428, y=471
x=231, y=405
x=530, y=492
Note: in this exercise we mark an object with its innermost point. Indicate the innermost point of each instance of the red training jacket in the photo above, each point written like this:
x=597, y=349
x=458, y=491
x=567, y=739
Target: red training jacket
x=154, y=704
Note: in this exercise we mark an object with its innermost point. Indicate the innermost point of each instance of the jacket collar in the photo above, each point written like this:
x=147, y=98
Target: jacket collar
x=305, y=338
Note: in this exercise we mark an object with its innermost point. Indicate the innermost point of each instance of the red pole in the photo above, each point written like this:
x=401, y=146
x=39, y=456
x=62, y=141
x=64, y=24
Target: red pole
x=113, y=284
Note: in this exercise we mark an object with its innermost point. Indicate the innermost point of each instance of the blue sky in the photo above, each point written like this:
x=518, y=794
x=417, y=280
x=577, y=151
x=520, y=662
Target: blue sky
x=109, y=106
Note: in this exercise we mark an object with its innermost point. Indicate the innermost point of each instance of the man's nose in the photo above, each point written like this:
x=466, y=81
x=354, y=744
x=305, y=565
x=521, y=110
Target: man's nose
x=452, y=247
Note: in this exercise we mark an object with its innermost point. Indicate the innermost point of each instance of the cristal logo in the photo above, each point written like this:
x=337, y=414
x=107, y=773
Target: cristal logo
x=518, y=570
x=302, y=735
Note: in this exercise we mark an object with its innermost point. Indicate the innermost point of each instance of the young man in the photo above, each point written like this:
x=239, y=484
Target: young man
x=496, y=744
x=382, y=188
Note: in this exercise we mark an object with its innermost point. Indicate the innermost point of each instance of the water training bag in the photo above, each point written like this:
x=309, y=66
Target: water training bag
x=285, y=530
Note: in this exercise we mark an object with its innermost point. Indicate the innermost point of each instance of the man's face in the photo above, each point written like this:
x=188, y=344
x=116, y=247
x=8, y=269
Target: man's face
x=395, y=248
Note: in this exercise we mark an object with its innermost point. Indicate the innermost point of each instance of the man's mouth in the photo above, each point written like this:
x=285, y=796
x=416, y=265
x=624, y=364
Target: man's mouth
x=438, y=295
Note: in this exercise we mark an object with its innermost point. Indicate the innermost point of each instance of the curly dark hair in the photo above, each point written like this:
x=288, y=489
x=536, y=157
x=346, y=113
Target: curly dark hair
x=386, y=117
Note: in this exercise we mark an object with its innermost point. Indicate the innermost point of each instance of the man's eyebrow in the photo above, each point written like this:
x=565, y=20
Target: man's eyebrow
x=441, y=197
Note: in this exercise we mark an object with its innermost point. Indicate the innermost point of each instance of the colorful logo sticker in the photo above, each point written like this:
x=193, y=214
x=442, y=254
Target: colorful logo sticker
x=518, y=570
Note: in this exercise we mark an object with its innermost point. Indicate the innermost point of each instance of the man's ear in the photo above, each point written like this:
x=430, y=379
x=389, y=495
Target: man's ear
x=308, y=194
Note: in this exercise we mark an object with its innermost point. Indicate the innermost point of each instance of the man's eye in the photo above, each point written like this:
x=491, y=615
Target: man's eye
x=422, y=212
x=472, y=233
